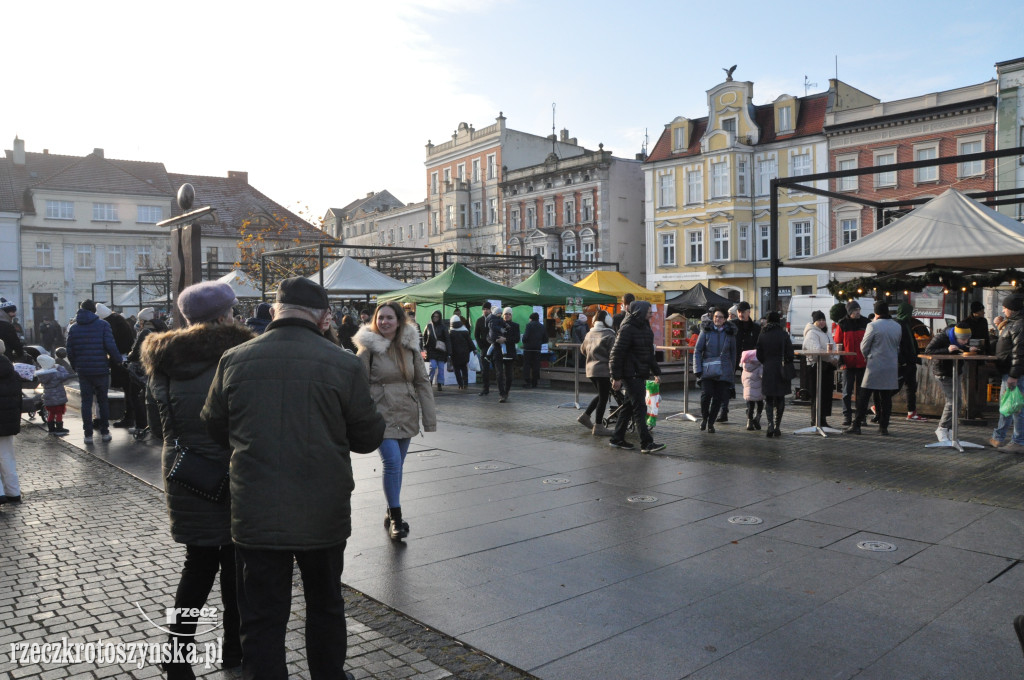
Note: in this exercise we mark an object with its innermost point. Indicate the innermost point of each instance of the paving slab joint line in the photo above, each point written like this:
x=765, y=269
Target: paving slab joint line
x=432, y=654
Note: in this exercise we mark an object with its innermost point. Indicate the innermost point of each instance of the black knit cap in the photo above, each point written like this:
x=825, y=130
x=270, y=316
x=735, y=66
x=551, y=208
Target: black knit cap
x=1014, y=302
x=299, y=290
x=817, y=315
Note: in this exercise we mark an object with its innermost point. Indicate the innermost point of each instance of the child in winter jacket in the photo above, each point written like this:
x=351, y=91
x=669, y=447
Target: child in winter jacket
x=751, y=379
x=52, y=377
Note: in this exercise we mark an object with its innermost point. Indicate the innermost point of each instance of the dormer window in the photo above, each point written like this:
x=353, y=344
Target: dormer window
x=785, y=119
x=729, y=125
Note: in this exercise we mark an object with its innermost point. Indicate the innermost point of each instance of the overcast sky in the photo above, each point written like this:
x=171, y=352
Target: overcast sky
x=324, y=102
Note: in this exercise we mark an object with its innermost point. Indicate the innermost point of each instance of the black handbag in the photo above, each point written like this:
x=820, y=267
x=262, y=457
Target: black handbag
x=205, y=478
x=788, y=370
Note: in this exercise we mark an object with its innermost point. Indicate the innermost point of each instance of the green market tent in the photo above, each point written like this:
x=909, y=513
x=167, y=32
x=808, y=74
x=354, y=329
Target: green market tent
x=551, y=290
x=459, y=285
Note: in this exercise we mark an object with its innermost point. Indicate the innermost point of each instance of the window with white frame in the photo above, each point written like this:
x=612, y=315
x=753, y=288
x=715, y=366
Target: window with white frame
x=104, y=212
x=391, y=235
x=926, y=153
x=150, y=214
x=589, y=251
x=492, y=168
x=60, y=210
x=719, y=180
x=848, y=231
x=729, y=125
x=764, y=241
x=968, y=145
x=213, y=254
x=846, y=183
x=785, y=119
x=570, y=212
x=667, y=190
x=143, y=257
x=767, y=170
x=742, y=188
x=801, y=238
x=694, y=186
x=514, y=219
x=743, y=242
x=421, y=230
x=433, y=183
x=569, y=250
x=447, y=175
x=531, y=218
x=800, y=164
x=679, y=138
x=492, y=211
x=588, y=209
x=667, y=249
x=476, y=169
x=885, y=179
x=549, y=214
x=460, y=172
x=43, y=258
x=449, y=222
x=433, y=223
x=83, y=256
x=115, y=257
x=463, y=215
x=477, y=213
x=719, y=244
x=694, y=247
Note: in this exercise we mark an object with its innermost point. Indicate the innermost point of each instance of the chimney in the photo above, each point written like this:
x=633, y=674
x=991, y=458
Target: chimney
x=564, y=136
x=97, y=152
x=19, y=151
x=239, y=176
x=369, y=194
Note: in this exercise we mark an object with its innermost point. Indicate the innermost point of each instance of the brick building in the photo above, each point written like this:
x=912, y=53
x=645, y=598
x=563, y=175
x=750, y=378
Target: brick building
x=936, y=125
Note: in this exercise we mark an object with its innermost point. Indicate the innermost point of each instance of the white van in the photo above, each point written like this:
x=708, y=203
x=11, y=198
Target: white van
x=801, y=306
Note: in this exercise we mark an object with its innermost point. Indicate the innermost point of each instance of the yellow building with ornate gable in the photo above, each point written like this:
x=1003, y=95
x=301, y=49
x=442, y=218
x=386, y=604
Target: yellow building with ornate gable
x=707, y=187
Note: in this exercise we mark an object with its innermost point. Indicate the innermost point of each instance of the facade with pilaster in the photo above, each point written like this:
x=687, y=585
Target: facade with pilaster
x=707, y=187
x=1010, y=130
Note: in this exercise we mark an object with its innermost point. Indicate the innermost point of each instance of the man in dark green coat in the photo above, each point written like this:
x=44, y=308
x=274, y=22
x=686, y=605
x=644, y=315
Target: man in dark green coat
x=292, y=405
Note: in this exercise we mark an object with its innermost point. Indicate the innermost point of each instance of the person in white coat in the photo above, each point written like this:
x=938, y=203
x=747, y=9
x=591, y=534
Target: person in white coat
x=881, y=349
x=816, y=340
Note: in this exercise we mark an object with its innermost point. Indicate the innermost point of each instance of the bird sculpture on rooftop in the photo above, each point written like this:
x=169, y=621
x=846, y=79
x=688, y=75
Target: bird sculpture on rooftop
x=728, y=73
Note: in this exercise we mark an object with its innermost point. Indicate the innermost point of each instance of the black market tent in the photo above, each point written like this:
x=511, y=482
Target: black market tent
x=348, y=276
x=951, y=231
x=459, y=285
x=694, y=300
x=551, y=290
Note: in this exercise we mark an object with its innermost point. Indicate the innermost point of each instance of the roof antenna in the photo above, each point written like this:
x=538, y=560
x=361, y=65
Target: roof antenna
x=808, y=85
x=553, y=135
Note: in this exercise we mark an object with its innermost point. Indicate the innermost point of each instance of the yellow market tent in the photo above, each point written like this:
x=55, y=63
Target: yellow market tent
x=614, y=283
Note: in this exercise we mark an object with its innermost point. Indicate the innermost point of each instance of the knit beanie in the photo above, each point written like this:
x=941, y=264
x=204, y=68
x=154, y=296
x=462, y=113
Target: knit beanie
x=882, y=309
x=45, y=362
x=507, y=310
x=147, y=314
x=962, y=329
x=852, y=306
x=102, y=310
x=817, y=315
x=1014, y=302
x=7, y=306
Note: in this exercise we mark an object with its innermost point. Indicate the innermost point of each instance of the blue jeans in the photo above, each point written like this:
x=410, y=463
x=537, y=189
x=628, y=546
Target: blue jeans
x=437, y=366
x=1003, y=425
x=95, y=386
x=392, y=457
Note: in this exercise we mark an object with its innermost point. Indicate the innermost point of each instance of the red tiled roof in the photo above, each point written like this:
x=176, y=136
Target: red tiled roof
x=810, y=121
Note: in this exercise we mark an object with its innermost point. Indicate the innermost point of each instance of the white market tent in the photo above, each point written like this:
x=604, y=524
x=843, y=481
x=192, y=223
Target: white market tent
x=951, y=231
x=348, y=276
x=243, y=286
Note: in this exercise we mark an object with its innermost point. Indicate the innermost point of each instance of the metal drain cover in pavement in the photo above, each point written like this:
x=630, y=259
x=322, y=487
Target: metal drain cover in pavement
x=642, y=499
x=428, y=454
x=745, y=519
x=556, y=480
x=876, y=546
x=487, y=467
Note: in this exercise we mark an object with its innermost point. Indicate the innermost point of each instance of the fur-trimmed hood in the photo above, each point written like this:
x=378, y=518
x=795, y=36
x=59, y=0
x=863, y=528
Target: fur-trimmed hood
x=378, y=344
x=186, y=352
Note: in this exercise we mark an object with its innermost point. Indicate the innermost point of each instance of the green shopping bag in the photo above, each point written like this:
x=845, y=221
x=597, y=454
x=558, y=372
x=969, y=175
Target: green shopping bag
x=1011, y=401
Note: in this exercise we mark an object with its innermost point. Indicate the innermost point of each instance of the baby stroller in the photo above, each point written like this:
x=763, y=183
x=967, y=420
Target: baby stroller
x=32, y=405
x=621, y=410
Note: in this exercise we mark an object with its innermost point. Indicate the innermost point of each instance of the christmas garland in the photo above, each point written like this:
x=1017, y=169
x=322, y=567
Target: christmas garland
x=951, y=281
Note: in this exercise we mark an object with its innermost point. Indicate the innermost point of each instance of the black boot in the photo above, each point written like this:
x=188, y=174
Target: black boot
x=49, y=427
x=397, y=529
x=750, y=416
x=780, y=408
x=59, y=430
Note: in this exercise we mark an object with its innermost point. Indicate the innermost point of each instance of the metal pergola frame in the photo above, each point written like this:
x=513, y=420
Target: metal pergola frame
x=880, y=206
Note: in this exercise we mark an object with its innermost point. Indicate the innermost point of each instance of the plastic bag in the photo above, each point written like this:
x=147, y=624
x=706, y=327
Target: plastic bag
x=474, y=362
x=1011, y=402
x=653, y=401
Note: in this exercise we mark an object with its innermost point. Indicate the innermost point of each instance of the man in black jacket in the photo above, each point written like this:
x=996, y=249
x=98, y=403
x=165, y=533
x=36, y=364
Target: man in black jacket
x=632, y=362
x=480, y=332
x=1010, y=362
x=747, y=332
x=534, y=337
x=617, y=319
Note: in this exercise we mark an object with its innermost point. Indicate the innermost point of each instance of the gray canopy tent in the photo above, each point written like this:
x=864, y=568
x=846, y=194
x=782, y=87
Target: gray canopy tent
x=952, y=231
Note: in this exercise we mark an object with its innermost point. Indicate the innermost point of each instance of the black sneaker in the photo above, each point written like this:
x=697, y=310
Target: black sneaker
x=623, y=444
x=652, y=448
